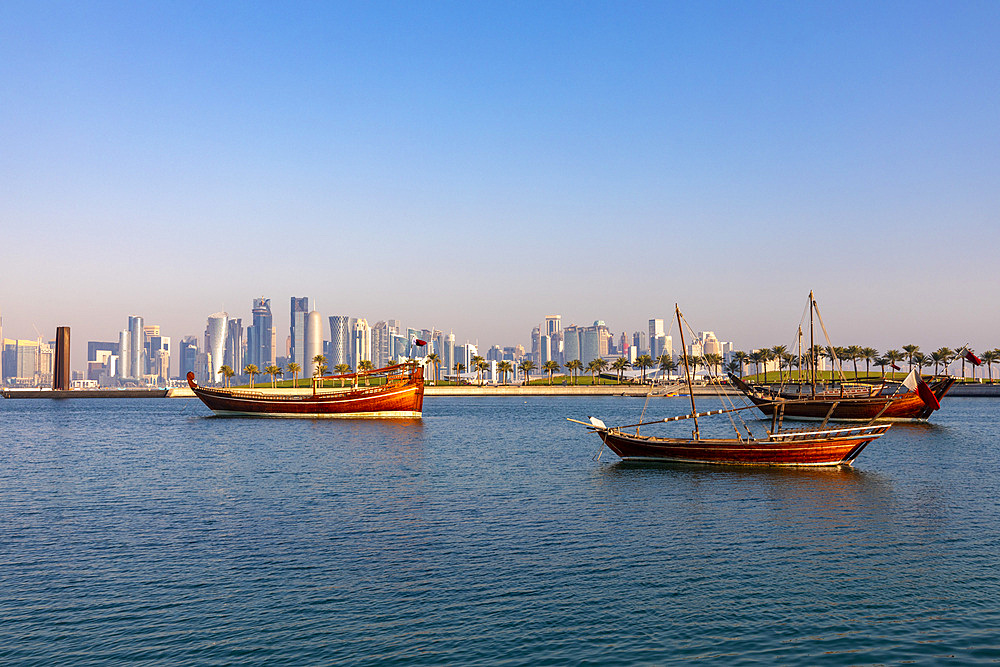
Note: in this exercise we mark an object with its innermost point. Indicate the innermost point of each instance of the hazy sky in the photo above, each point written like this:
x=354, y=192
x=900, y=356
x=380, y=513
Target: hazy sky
x=477, y=166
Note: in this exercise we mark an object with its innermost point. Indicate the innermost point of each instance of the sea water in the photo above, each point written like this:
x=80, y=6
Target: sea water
x=147, y=531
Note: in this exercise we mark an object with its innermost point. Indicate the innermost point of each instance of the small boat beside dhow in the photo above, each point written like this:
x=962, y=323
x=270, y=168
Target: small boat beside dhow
x=392, y=392
x=822, y=446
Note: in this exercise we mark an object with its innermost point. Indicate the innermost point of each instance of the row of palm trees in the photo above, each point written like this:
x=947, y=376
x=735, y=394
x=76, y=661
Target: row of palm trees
x=941, y=358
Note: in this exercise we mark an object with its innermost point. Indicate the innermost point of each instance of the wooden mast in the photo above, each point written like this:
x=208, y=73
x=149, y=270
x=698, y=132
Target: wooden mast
x=812, y=344
x=687, y=370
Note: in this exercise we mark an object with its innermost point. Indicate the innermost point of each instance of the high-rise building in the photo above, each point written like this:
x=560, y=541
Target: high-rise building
x=639, y=342
x=313, y=343
x=656, y=338
x=571, y=343
x=60, y=371
x=215, y=344
x=188, y=356
x=448, y=358
x=361, y=343
x=158, y=352
x=260, y=335
x=233, y=356
x=136, y=348
x=123, y=370
x=297, y=331
x=340, y=341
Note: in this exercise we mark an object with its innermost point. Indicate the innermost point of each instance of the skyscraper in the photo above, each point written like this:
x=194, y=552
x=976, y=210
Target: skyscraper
x=260, y=335
x=361, y=345
x=136, y=348
x=313, y=343
x=123, y=370
x=234, y=345
x=215, y=343
x=297, y=332
x=340, y=341
x=188, y=356
x=656, y=338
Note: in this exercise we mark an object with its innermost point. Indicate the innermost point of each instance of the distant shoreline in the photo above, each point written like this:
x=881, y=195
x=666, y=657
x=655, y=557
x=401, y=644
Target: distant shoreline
x=635, y=391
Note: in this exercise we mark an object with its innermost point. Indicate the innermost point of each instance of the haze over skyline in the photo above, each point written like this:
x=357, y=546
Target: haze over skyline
x=477, y=167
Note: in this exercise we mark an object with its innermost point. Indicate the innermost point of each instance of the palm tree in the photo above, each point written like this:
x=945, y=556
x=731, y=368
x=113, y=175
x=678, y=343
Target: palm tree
x=758, y=357
x=881, y=362
x=459, y=368
x=251, y=370
x=938, y=357
x=920, y=360
x=694, y=361
x=434, y=359
x=550, y=366
x=504, y=367
x=294, y=369
x=226, y=372
x=619, y=365
x=318, y=361
x=667, y=364
x=642, y=362
x=342, y=369
x=713, y=360
x=273, y=370
x=573, y=366
x=733, y=366
x=481, y=366
x=778, y=352
x=894, y=356
x=989, y=358
x=475, y=366
x=365, y=366
x=526, y=367
x=596, y=367
x=854, y=353
x=741, y=358
x=869, y=354
x=911, y=351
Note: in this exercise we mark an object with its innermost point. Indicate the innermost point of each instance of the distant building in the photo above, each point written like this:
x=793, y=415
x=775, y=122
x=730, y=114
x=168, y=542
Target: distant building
x=188, y=356
x=657, y=338
x=313, y=343
x=340, y=340
x=361, y=343
x=297, y=331
x=136, y=348
x=215, y=343
x=260, y=335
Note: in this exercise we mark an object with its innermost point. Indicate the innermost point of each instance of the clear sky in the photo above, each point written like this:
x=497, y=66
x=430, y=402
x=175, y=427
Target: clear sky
x=477, y=166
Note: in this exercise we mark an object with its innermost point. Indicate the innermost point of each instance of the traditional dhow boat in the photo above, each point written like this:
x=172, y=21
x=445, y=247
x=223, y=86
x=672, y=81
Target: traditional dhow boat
x=913, y=399
x=776, y=447
x=850, y=404
x=391, y=392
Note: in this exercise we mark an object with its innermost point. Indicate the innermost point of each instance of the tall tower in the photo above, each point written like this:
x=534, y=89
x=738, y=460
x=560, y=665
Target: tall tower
x=361, y=344
x=260, y=335
x=297, y=332
x=340, y=340
x=313, y=343
x=215, y=343
x=136, y=348
x=60, y=372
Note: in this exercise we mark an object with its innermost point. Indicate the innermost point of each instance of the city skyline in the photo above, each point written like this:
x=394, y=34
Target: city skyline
x=473, y=168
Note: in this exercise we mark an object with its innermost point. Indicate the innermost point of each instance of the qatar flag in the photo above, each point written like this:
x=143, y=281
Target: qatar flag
x=914, y=383
x=419, y=343
x=972, y=359
x=895, y=367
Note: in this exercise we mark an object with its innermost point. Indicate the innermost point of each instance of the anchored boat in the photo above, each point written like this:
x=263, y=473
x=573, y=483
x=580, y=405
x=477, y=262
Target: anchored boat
x=392, y=392
x=913, y=399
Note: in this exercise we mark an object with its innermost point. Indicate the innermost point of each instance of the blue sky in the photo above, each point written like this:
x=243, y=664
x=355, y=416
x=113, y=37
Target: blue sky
x=476, y=166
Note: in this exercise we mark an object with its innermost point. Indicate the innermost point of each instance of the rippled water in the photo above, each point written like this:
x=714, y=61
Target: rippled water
x=147, y=531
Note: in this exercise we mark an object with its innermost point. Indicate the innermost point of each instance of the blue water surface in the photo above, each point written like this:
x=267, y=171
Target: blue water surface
x=147, y=531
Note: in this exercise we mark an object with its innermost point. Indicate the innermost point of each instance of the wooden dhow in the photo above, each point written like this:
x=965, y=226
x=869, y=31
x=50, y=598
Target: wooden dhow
x=823, y=446
x=913, y=399
x=392, y=392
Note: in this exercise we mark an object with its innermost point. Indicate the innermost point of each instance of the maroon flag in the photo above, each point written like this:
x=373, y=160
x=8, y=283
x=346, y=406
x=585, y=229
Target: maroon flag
x=927, y=396
x=419, y=343
x=971, y=358
x=895, y=367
